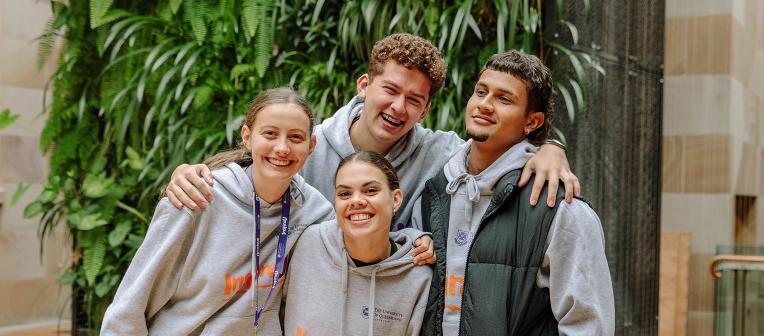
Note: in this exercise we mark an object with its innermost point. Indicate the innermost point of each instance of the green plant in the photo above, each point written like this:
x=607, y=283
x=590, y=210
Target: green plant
x=144, y=86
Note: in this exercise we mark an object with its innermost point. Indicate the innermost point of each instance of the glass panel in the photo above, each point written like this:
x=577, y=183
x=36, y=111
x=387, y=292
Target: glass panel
x=739, y=294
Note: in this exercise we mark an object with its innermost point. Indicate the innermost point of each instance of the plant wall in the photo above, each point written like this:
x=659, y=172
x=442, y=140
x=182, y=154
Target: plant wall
x=143, y=86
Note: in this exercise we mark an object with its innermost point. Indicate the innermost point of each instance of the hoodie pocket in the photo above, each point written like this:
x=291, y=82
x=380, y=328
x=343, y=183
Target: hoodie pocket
x=234, y=325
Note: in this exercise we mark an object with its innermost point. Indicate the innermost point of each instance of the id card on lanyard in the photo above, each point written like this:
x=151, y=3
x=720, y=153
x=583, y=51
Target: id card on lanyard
x=280, y=249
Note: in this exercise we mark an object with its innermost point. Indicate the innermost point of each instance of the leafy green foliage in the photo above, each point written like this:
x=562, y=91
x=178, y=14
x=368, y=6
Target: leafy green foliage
x=142, y=86
x=7, y=118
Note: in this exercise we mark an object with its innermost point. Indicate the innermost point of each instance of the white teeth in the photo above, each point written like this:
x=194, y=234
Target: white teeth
x=277, y=162
x=392, y=120
x=359, y=217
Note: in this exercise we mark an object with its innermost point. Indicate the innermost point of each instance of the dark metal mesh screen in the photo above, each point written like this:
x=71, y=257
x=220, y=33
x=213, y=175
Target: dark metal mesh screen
x=615, y=147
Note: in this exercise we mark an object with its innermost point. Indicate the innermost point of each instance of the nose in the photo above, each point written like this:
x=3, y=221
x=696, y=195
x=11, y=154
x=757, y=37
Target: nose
x=399, y=103
x=357, y=201
x=282, y=146
x=485, y=105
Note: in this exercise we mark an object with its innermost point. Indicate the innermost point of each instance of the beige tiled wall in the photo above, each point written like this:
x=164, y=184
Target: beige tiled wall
x=29, y=290
x=713, y=131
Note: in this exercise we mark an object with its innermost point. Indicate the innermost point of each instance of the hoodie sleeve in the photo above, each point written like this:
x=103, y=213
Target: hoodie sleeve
x=576, y=272
x=153, y=275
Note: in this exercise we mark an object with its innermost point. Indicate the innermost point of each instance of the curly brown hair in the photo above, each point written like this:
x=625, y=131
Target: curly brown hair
x=412, y=52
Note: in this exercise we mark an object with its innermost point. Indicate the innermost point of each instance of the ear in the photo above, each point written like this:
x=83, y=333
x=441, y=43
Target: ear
x=426, y=109
x=246, y=133
x=397, y=199
x=361, y=84
x=312, y=143
x=533, y=121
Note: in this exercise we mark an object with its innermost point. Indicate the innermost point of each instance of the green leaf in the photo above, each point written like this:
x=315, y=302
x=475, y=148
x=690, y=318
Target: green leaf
x=96, y=186
x=21, y=188
x=6, y=118
x=112, y=15
x=47, y=41
x=67, y=278
x=33, y=209
x=102, y=288
x=118, y=235
x=134, y=160
x=89, y=222
x=175, y=5
x=195, y=14
x=573, y=30
x=93, y=258
x=431, y=18
x=568, y=102
x=265, y=38
x=250, y=19
x=98, y=9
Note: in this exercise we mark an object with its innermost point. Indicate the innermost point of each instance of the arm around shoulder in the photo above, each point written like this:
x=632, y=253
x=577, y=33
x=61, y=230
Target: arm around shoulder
x=576, y=271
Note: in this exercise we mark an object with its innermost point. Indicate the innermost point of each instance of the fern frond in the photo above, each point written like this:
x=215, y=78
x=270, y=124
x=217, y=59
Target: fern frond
x=47, y=41
x=195, y=13
x=93, y=257
x=264, y=39
x=98, y=9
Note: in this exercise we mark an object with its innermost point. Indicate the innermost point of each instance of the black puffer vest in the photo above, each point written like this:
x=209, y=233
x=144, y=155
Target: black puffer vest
x=500, y=296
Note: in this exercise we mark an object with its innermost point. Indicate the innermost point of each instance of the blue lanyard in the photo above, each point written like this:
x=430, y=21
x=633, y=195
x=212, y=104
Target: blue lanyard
x=280, y=250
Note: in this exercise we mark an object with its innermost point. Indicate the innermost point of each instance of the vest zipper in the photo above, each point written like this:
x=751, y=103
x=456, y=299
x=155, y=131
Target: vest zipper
x=492, y=208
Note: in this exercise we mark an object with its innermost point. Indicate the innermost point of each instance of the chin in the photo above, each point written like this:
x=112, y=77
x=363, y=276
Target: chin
x=477, y=137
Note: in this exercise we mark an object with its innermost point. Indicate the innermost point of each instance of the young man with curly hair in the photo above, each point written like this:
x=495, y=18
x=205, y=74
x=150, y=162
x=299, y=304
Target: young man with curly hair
x=404, y=73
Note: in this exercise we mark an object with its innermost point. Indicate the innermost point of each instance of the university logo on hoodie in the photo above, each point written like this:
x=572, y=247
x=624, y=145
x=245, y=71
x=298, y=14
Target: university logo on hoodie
x=239, y=285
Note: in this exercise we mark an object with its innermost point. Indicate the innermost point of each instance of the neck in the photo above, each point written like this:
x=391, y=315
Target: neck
x=361, y=140
x=269, y=191
x=482, y=156
x=368, y=252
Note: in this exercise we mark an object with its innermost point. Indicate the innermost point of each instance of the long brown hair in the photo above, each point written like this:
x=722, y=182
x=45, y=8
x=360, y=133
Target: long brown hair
x=282, y=95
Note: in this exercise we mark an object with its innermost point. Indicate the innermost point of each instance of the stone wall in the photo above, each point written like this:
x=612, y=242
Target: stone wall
x=28, y=287
x=713, y=136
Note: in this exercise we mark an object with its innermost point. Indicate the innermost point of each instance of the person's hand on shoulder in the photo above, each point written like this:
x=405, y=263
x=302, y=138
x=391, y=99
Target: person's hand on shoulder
x=190, y=186
x=551, y=165
x=424, y=253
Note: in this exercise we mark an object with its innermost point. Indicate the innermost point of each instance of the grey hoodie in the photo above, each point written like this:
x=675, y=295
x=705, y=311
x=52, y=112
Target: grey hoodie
x=416, y=157
x=193, y=273
x=574, y=268
x=328, y=295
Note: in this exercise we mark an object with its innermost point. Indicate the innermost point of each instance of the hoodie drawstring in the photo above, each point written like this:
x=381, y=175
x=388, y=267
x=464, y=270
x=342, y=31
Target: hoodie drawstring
x=343, y=290
x=473, y=192
x=372, y=304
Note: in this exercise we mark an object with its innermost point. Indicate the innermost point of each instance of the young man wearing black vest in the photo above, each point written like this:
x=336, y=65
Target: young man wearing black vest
x=505, y=267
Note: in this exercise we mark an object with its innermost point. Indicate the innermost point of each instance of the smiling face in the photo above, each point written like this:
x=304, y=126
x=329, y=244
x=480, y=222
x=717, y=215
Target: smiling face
x=279, y=140
x=496, y=111
x=364, y=202
x=394, y=101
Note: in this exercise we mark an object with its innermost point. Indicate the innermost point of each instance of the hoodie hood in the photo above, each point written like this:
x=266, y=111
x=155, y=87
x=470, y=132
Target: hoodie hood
x=234, y=179
x=343, y=119
x=397, y=263
x=456, y=169
x=386, y=298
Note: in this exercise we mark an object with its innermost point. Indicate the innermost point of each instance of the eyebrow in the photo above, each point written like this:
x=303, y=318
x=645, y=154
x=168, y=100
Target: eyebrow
x=507, y=91
x=398, y=87
x=365, y=184
x=291, y=129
